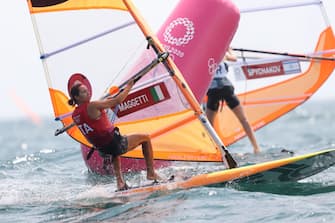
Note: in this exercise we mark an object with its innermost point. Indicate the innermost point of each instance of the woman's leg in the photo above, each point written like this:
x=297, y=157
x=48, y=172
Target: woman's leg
x=118, y=174
x=143, y=139
x=210, y=115
x=239, y=112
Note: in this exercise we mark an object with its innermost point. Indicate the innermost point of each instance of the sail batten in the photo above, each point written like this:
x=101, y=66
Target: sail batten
x=283, y=56
x=281, y=6
x=46, y=55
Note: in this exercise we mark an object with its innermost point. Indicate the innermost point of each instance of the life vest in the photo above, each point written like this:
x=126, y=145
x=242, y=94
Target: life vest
x=98, y=132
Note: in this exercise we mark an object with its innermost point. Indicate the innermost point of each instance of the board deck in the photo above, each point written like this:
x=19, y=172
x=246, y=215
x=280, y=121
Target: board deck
x=295, y=171
x=282, y=170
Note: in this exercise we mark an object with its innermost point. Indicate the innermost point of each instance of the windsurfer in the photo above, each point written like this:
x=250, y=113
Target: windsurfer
x=222, y=89
x=91, y=119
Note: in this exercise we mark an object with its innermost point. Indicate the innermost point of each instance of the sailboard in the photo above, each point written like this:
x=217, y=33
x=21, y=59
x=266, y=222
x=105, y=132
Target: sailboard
x=281, y=62
x=109, y=42
x=292, y=169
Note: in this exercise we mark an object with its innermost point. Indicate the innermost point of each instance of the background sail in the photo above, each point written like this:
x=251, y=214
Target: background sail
x=107, y=45
x=283, y=82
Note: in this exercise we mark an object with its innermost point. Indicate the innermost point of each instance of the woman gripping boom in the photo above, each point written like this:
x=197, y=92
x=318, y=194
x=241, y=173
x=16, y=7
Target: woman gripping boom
x=92, y=120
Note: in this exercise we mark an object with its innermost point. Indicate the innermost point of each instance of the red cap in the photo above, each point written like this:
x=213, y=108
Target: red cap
x=78, y=78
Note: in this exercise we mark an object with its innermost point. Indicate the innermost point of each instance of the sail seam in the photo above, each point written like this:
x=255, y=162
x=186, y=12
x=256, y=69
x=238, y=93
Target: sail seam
x=46, y=55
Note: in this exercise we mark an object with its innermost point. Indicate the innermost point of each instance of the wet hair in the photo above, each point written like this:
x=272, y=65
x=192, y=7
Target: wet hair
x=74, y=92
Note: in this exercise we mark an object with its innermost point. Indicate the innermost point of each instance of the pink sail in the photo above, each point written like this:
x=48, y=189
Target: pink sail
x=197, y=34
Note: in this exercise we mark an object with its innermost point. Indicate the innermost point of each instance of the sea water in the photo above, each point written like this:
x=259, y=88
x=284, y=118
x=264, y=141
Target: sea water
x=43, y=179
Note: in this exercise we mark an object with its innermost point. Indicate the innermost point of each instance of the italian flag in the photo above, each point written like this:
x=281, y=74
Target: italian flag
x=157, y=93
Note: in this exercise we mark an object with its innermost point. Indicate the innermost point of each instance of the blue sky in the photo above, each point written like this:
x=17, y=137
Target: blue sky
x=23, y=85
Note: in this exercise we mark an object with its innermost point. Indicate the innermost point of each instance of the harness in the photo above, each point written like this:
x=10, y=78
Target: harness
x=116, y=135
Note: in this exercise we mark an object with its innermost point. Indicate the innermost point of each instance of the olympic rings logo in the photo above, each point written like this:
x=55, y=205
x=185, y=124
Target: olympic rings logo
x=189, y=33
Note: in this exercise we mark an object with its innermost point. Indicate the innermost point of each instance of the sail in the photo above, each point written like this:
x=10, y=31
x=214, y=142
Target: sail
x=108, y=42
x=284, y=58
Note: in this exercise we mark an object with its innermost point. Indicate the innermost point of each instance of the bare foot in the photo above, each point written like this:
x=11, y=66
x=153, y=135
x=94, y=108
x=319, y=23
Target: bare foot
x=122, y=186
x=153, y=176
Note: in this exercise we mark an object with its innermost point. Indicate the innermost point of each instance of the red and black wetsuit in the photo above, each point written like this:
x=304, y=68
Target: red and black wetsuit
x=98, y=132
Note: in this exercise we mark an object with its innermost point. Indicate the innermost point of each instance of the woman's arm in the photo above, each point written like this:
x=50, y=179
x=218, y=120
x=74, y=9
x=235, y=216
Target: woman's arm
x=230, y=56
x=94, y=107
